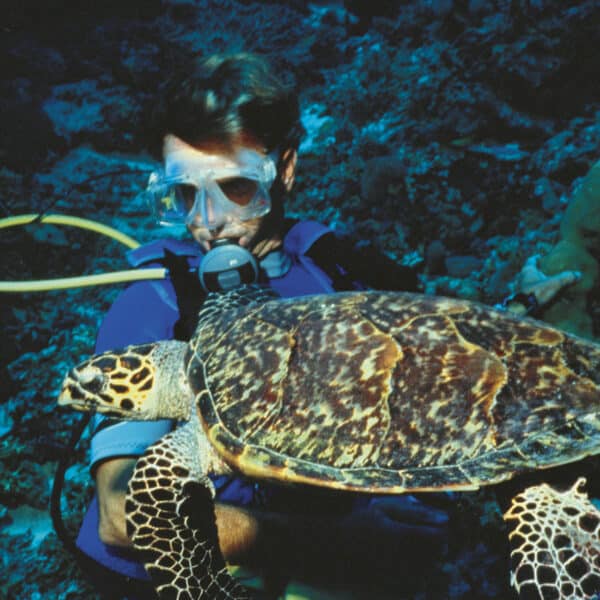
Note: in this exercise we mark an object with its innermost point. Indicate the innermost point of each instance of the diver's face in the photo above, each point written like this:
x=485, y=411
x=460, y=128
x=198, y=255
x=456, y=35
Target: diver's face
x=175, y=151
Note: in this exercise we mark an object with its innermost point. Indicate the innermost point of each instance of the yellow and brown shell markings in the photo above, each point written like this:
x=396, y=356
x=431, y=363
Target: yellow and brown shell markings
x=388, y=392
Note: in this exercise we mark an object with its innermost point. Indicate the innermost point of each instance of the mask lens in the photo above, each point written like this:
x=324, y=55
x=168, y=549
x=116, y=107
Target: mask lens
x=186, y=196
x=239, y=190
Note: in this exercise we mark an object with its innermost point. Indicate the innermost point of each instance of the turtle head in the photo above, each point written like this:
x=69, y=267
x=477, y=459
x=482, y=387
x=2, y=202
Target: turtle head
x=144, y=382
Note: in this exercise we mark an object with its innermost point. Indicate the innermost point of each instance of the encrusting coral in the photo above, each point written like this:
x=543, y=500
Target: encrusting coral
x=578, y=250
x=545, y=288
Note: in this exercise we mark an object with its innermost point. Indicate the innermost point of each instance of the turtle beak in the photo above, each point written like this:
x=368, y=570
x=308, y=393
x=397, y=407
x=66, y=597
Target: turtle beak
x=81, y=387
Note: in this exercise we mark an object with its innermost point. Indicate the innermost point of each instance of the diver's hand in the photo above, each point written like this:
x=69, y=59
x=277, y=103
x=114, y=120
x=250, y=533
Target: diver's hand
x=408, y=511
x=402, y=519
x=389, y=541
x=395, y=535
x=262, y=248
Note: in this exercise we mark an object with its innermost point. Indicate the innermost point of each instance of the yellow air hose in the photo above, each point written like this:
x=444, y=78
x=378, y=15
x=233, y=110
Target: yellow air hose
x=45, y=285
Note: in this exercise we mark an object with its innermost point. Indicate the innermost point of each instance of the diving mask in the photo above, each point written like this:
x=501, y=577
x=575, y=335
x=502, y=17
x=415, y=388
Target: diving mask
x=208, y=190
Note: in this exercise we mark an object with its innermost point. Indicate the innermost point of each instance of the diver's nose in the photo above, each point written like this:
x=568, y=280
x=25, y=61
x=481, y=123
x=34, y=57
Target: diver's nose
x=216, y=230
x=216, y=217
x=210, y=210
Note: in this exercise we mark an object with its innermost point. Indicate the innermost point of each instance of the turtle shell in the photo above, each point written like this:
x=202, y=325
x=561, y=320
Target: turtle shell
x=388, y=392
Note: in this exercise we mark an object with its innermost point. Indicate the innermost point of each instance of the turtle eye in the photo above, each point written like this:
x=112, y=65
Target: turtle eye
x=91, y=378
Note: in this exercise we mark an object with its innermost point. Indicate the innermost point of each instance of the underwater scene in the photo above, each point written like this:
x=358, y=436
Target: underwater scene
x=436, y=148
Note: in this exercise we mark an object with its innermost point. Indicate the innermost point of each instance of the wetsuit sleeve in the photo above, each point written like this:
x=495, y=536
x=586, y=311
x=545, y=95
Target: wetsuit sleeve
x=144, y=312
x=349, y=267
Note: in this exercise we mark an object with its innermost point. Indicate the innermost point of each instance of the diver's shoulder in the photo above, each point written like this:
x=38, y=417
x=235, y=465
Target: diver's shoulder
x=301, y=235
x=155, y=252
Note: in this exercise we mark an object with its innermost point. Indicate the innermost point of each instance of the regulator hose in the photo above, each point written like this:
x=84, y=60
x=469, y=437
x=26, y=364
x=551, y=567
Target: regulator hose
x=62, y=283
x=59, y=219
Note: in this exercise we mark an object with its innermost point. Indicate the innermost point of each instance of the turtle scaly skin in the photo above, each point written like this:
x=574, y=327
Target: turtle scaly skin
x=542, y=516
x=380, y=392
x=170, y=513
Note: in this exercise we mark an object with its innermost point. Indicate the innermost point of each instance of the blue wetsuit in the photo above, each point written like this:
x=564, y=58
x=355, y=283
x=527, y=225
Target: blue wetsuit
x=148, y=311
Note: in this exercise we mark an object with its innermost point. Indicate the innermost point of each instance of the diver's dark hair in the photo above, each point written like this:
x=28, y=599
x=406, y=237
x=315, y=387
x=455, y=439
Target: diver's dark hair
x=219, y=97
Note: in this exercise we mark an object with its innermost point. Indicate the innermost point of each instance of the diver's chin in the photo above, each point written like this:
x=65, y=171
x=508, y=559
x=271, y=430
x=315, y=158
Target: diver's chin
x=220, y=239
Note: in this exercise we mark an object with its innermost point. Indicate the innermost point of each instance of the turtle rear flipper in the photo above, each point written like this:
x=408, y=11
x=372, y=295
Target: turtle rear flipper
x=171, y=522
x=555, y=543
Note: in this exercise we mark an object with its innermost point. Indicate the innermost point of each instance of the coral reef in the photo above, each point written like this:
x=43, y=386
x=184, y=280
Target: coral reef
x=452, y=134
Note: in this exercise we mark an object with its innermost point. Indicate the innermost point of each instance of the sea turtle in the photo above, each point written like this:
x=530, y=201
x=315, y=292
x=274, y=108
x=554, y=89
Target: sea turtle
x=380, y=392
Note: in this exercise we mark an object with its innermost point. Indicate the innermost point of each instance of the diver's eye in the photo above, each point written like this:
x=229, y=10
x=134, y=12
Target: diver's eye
x=240, y=190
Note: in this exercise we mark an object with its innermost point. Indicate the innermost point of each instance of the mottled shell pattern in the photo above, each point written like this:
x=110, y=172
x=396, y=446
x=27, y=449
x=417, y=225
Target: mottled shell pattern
x=389, y=392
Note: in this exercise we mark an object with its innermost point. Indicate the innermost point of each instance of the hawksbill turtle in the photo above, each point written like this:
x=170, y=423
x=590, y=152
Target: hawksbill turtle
x=379, y=392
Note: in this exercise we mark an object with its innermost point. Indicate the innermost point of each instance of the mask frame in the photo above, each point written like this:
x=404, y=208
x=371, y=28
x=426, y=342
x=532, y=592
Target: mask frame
x=188, y=191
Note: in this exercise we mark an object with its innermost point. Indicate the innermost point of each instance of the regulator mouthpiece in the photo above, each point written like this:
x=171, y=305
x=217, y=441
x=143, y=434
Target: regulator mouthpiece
x=227, y=266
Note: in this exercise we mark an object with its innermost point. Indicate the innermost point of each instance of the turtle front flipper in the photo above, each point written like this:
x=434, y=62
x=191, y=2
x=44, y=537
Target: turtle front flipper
x=171, y=521
x=555, y=543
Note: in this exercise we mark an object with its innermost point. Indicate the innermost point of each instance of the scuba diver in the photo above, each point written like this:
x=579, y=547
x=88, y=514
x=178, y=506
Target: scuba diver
x=227, y=131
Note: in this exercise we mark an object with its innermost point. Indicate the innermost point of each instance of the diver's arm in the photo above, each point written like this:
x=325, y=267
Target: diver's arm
x=346, y=265
x=111, y=487
x=238, y=530
x=294, y=544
